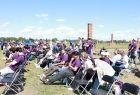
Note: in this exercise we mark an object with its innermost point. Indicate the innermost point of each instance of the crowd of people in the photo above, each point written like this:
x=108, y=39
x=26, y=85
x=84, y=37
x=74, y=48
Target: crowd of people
x=62, y=59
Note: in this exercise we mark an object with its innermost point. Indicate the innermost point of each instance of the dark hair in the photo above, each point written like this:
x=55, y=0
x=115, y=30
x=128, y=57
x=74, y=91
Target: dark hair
x=13, y=50
x=19, y=49
x=26, y=47
x=76, y=53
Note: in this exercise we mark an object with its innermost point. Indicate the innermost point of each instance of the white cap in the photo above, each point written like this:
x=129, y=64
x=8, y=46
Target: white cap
x=105, y=53
x=44, y=46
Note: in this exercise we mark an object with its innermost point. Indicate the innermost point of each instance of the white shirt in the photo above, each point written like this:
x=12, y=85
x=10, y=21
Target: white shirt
x=116, y=58
x=49, y=54
x=103, y=69
x=125, y=59
x=87, y=64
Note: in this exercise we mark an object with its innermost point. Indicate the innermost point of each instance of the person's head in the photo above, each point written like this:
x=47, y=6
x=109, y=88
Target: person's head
x=122, y=52
x=12, y=50
x=75, y=54
x=117, y=51
x=105, y=54
x=89, y=38
x=18, y=50
x=84, y=56
x=26, y=47
x=79, y=38
x=63, y=51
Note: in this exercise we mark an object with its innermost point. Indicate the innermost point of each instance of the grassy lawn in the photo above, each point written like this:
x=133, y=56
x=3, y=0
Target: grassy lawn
x=33, y=83
x=112, y=46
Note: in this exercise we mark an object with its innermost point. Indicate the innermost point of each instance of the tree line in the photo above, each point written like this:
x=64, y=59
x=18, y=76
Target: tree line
x=8, y=39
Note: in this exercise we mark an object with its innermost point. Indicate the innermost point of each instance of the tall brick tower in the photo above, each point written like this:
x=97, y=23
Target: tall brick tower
x=89, y=30
x=112, y=38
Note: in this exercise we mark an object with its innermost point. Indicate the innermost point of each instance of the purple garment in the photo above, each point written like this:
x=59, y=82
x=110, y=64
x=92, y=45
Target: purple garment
x=106, y=59
x=25, y=52
x=90, y=46
x=15, y=55
x=129, y=47
x=64, y=57
x=76, y=63
x=19, y=60
x=133, y=47
x=34, y=50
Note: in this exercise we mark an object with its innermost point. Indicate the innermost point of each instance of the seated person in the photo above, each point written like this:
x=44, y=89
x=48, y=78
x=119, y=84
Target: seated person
x=12, y=55
x=14, y=65
x=26, y=51
x=105, y=57
x=42, y=63
x=102, y=68
x=71, y=69
x=122, y=62
x=86, y=64
x=40, y=53
x=63, y=59
x=117, y=56
x=102, y=50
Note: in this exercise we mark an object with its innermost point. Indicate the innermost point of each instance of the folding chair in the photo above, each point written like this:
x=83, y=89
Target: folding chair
x=85, y=81
x=117, y=72
x=13, y=83
x=108, y=88
x=70, y=80
x=130, y=88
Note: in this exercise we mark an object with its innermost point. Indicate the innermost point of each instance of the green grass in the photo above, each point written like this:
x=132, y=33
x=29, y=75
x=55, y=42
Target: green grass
x=112, y=46
x=40, y=89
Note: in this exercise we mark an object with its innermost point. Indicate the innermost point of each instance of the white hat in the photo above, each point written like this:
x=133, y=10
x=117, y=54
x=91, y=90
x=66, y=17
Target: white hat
x=44, y=46
x=105, y=53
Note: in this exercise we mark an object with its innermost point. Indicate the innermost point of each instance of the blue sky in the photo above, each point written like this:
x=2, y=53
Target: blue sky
x=68, y=18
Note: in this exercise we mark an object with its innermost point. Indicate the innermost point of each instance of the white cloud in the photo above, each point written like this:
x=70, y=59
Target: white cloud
x=29, y=29
x=126, y=34
x=60, y=32
x=6, y=33
x=42, y=16
x=4, y=25
x=101, y=26
x=60, y=20
x=4, y=30
x=64, y=28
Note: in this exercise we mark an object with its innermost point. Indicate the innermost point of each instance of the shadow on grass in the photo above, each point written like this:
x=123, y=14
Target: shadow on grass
x=57, y=83
x=136, y=72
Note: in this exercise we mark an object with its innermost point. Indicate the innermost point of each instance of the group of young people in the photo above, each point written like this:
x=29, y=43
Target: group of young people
x=60, y=60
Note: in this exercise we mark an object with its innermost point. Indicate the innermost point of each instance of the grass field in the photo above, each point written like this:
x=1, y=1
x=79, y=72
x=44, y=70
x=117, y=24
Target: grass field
x=34, y=86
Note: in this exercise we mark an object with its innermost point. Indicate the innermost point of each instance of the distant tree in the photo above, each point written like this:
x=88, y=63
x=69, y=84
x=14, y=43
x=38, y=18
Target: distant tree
x=54, y=39
x=21, y=39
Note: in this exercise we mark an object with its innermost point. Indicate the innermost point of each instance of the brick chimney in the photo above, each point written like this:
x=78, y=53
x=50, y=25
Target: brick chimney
x=90, y=30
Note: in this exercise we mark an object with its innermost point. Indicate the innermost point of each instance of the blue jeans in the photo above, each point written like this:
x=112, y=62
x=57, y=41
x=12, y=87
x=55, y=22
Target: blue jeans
x=95, y=84
x=119, y=64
